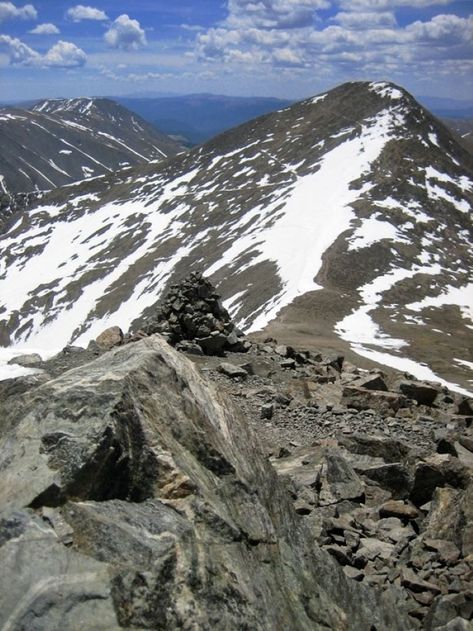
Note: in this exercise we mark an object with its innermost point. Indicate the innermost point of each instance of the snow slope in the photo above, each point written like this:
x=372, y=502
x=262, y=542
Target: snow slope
x=310, y=195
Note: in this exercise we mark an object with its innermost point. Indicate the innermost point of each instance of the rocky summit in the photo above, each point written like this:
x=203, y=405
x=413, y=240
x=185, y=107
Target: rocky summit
x=134, y=496
x=260, y=487
x=345, y=218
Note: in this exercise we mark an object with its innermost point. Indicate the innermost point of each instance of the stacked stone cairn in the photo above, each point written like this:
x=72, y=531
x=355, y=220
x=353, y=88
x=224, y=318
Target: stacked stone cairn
x=193, y=319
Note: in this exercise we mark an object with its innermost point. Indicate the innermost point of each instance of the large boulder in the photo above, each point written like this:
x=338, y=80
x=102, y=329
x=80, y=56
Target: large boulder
x=134, y=495
x=113, y=336
x=363, y=399
x=423, y=393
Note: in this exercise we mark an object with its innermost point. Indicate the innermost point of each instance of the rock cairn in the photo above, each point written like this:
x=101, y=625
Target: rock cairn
x=193, y=319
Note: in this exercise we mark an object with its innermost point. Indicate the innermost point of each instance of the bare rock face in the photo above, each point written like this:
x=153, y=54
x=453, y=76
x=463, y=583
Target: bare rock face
x=133, y=496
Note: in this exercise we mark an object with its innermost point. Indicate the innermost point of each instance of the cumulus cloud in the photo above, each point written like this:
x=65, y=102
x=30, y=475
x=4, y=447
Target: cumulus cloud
x=274, y=13
x=363, y=20
x=45, y=29
x=446, y=28
x=62, y=54
x=8, y=11
x=18, y=52
x=367, y=41
x=287, y=57
x=81, y=12
x=376, y=5
x=65, y=55
x=125, y=33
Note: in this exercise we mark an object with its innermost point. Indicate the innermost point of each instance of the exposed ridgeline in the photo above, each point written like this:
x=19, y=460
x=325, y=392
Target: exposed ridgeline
x=350, y=212
x=138, y=494
x=61, y=141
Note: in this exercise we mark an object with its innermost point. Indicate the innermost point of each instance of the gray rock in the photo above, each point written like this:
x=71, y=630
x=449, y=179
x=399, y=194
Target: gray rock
x=410, y=580
x=175, y=515
x=370, y=382
x=446, y=608
x=267, y=411
x=45, y=585
x=232, y=371
x=436, y=471
x=353, y=573
x=212, y=344
x=466, y=512
x=27, y=361
x=385, y=447
x=393, y=477
x=362, y=399
x=372, y=548
x=109, y=338
x=456, y=624
x=421, y=392
x=445, y=519
x=338, y=481
x=288, y=363
x=192, y=348
x=399, y=509
x=447, y=550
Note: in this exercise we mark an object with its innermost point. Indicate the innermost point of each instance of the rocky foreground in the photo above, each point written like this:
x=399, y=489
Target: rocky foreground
x=230, y=484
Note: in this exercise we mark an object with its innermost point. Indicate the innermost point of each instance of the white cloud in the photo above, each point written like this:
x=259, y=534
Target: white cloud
x=8, y=11
x=81, y=12
x=18, y=52
x=273, y=13
x=134, y=76
x=376, y=5
x=365, y=43
x=287, y=57
x=62, y=54
x=443, y=28
x=65, y=55
x=125, y=33
x=45, y=29
x=363, y=20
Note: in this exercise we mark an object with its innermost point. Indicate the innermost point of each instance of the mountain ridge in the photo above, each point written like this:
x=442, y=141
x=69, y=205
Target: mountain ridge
x=57, y=142
x=360, y=188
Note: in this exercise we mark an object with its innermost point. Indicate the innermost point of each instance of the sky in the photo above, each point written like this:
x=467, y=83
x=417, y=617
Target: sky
x=284, y=48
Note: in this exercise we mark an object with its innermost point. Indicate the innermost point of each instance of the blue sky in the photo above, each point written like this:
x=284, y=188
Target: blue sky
x=286, y=48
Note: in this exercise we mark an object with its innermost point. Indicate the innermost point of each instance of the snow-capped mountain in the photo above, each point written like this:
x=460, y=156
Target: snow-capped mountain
x=62, y=141
x=350, y=212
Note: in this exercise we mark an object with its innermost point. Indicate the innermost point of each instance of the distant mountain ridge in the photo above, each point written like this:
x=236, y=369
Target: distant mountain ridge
x=60, y=141
x=344, y=218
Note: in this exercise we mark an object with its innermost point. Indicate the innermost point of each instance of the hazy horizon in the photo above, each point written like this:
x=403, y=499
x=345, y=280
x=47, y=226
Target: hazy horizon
x=282, y=48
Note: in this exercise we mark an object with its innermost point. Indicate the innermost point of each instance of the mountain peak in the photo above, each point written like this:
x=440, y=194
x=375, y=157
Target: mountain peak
x=81, y=105
x=345, y=215
x=60, y=141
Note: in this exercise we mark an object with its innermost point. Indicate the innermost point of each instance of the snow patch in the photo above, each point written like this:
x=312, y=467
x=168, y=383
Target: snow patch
x=459, y=296
x=420, y=371
x=386, y=90
x=317, y=99
x=373, y=230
